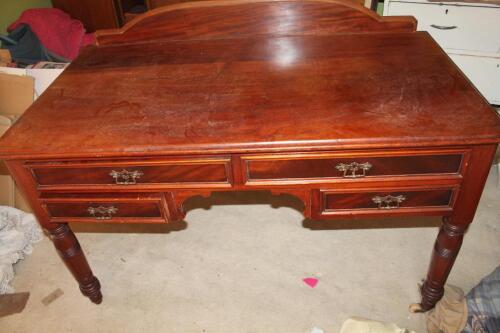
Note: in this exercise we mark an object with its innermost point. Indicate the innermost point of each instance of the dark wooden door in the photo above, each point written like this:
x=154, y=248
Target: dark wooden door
x=94, y=14
x=98, y=14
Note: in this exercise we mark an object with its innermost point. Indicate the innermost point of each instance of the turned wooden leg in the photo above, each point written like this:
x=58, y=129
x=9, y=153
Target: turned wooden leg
x=448, y=243
x=451, y=234
x=70, y=251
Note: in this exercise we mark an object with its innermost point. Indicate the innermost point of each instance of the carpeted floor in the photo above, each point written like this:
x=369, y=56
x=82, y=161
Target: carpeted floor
x=239, y=268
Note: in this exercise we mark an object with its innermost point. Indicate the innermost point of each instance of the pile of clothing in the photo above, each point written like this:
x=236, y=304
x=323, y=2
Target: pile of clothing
x=45, y=34
x=18, y=232
x=476, y=312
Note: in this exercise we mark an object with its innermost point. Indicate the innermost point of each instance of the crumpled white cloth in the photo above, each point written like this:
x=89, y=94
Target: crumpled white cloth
x=361, y=325
x=18, y=231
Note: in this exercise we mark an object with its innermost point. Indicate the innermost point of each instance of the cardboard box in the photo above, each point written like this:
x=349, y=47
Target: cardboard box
x=43, y=74
x=9, y=194
x=18, y=89
x=6, y=184
x=16, y=94
x=5, y=57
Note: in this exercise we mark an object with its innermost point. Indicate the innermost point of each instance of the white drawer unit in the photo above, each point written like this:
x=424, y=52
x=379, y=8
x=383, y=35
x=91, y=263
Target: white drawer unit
x=484, y=72
x=468, y=31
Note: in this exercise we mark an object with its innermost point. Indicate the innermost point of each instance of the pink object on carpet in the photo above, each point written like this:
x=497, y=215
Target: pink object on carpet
x=311, y=282
x=57, y=31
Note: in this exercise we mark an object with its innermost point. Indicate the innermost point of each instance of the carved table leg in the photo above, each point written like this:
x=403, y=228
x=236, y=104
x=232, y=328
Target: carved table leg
x=70, y=251
x=451, y=234
x=448, y=243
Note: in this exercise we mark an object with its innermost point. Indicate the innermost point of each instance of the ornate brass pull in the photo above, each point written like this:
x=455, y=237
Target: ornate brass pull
x=102, y=213
x=126, y=177
x=350, y=170
x=389, y=201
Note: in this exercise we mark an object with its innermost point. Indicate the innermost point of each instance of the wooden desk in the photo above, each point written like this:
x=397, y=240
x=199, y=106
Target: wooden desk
x=354, y=114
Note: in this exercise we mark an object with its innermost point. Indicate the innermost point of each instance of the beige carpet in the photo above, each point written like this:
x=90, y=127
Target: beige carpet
x=239, y=268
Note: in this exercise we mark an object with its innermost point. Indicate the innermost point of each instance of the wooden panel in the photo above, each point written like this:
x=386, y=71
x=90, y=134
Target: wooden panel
x=160, y=3
x=240, y=18
x=94, y=14
x=104, y=209
x=390, y=201
x=166, y=172
x=152, y=4
x=325, y=165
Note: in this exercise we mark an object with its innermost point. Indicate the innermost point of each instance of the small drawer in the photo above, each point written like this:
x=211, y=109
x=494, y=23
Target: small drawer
x=383, y=202
x=326, y=167
x=133, y=173
x=127, y=208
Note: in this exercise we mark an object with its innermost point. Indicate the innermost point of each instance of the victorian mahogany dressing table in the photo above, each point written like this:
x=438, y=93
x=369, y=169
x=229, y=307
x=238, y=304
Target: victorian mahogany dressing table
x=354, y=114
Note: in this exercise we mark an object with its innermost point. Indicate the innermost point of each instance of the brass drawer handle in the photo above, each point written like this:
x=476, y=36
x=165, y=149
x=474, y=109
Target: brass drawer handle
x=389, y=201
x=102, y=213
x=126, y=177
x=350, y=170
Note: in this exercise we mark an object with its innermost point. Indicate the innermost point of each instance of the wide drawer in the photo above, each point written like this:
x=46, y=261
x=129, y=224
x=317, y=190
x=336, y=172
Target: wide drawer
x=461, y=27
x=383, y=201
x=330, y=166
x=132, y=208
x=134, y=173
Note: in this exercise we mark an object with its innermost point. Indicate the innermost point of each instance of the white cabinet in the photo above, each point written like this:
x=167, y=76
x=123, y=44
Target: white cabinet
x=484, y=72
x=468, y=31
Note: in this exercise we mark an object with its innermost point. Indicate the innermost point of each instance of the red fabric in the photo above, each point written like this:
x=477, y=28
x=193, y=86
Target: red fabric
x=57, y=31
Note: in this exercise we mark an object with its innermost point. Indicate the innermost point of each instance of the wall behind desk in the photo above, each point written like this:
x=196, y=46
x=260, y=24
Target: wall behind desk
x=11, y=9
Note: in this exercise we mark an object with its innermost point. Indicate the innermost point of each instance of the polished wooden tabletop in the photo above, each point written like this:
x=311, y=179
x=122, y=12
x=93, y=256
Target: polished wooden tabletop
x=255, y=94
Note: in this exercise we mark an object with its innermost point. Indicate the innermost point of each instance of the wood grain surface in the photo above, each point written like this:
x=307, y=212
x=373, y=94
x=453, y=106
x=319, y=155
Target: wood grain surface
x=255, y=94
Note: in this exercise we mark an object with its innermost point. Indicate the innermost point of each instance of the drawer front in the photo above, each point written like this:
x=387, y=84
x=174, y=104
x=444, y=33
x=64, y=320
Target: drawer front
x=386, y=201
x=460, y=27
x=142, y=209
x=484, y=72
x=324, y=167
x=134, y=173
